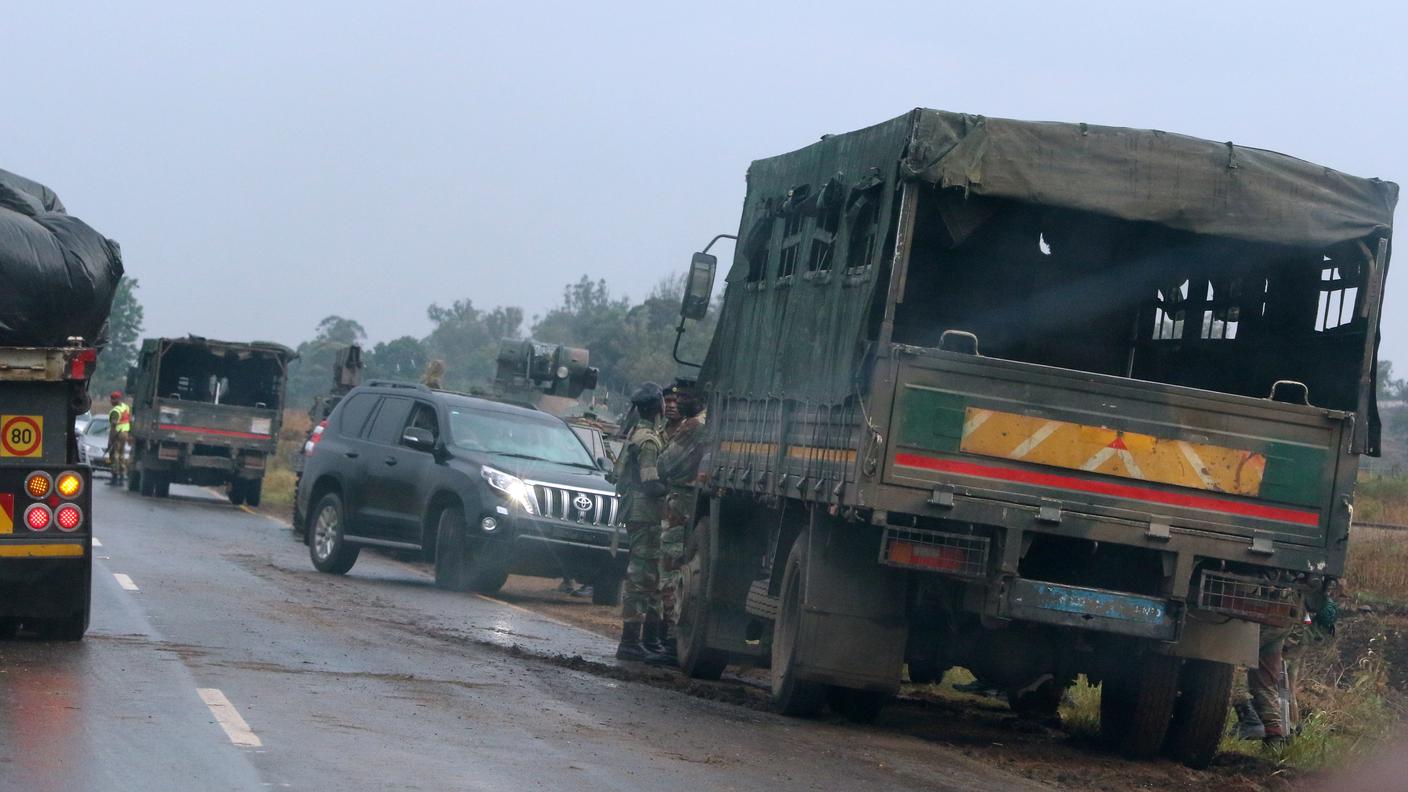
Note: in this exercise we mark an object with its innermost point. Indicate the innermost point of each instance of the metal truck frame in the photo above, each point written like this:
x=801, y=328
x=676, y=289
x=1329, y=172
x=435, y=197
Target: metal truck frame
x=206, y=412
x=46, y=526
x=1035, y=399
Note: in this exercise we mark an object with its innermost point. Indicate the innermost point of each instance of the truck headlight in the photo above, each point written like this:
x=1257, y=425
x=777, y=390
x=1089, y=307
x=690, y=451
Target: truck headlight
x=512, y=488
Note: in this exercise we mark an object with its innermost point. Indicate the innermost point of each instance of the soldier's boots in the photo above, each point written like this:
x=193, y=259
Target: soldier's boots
x=669, y=650
x=650, y=638
x=630, y=647
x=1249, y=726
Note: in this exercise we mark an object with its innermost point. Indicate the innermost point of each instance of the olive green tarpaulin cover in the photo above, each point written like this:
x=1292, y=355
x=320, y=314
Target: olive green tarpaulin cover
x=804, y=336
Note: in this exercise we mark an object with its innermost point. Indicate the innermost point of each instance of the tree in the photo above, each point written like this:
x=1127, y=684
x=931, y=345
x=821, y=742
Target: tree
x=402, y=358
x=124, y=333
x=1390, y=389
x=311, y=374
x=467, y=339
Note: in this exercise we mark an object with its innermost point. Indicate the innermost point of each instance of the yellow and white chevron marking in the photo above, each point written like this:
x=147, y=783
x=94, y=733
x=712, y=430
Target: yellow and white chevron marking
x=1097, y=449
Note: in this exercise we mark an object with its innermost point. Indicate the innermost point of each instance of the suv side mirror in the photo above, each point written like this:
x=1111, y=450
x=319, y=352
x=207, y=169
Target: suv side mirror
x=699, y=286
x=418, y=438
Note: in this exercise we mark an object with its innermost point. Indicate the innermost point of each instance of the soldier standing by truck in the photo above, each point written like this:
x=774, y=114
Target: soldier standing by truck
x=679, y=466
x=119, y=431
x=637, y=480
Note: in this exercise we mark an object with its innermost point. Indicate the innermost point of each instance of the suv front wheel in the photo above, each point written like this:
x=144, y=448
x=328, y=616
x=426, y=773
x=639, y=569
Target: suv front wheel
x=327, y=548
x=456, y=567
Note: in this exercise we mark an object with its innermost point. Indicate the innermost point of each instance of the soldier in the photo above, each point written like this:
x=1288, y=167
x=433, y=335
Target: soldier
x=642, y=494
x=679, y=467
x=1269, y=711
x=119, y=428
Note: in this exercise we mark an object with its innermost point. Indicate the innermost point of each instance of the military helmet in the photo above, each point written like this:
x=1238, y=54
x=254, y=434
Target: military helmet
x=647, y=393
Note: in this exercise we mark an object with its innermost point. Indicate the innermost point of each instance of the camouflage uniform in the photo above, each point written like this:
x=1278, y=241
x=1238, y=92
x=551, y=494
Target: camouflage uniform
x=679, y=466
x=1279, y=651
x=638, y=482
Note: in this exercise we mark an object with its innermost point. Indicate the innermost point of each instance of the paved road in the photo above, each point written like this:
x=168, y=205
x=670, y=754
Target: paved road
x=219, y=660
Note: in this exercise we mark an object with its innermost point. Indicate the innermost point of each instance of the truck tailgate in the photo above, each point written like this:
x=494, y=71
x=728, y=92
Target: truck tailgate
x=214, y=423
x=1122, y=448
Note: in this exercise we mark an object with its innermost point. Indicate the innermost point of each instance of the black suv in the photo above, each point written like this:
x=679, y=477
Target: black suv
x=481, y=488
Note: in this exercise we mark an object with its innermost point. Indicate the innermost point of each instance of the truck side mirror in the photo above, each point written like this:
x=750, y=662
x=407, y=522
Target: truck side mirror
x=698, y=286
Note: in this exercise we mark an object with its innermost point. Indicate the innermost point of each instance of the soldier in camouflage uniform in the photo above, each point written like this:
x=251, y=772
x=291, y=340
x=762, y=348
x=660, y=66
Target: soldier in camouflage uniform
x=637, y=481
x=679, y=467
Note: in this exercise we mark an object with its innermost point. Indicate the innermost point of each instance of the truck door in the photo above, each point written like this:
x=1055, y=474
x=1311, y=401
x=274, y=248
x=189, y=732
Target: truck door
x=382, y=462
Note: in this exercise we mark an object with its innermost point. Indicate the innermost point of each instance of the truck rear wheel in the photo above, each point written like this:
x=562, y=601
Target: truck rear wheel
x=134, y=480
x=1136, y=706
x=161, y=486
x=236, y=493
x=697, y=658
x=1199, y=717
x=66, y=628
x=793, y=696
x=254, y=492
x=858, y=706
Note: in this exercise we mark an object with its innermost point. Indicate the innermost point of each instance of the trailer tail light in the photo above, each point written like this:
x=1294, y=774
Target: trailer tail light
x=935, y=551
x=69, y=485
x=38, y=485
x=81, y=363
x=38, y=517
x=315, y=437
x=69, y=517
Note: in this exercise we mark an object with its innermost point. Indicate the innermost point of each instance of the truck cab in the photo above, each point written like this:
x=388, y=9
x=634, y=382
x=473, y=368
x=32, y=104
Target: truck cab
x=1041, y=400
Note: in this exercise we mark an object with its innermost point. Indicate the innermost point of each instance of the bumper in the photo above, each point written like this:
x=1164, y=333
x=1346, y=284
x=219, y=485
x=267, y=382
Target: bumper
x=539, y=546
x=44, y=579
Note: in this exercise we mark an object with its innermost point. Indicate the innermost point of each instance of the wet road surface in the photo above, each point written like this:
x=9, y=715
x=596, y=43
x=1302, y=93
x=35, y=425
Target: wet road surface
x=218, y=659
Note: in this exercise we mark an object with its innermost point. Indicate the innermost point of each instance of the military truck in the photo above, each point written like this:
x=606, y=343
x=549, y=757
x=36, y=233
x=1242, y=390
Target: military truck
x=552, y=378
x=206, y=412
x=1035, y=399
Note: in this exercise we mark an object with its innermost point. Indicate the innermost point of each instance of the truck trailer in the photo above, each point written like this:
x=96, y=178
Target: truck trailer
x=1036, y=399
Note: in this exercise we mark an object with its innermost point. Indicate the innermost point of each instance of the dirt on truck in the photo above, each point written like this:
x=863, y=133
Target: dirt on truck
x=1038, y=400
x=206, y=412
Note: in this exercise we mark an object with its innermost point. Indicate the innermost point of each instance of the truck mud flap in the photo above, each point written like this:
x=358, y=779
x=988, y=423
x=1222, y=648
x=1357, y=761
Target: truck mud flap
x=1090, y=609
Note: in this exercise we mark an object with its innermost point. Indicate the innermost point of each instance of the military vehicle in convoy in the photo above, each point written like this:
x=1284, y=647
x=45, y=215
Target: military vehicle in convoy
x=206, y=412
x=1035, y=399
x=552, y=378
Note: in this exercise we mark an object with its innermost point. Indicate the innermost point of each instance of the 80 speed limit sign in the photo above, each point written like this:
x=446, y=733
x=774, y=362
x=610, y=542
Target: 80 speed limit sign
x=21, y=435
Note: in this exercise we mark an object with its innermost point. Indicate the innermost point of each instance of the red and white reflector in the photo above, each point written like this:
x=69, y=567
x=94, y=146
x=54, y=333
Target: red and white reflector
x=944, y=559
x=38, y=517
x=69, y=517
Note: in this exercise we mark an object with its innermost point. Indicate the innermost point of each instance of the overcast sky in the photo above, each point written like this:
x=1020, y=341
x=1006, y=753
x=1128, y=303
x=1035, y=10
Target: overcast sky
x=267, y=164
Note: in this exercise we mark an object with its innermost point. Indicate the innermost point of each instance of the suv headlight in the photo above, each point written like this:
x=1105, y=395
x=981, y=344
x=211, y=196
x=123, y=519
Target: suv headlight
x=512, y=488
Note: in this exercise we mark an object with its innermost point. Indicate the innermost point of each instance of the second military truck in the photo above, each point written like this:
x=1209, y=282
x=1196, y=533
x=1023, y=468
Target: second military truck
x=1037, y=400
x=206, y=412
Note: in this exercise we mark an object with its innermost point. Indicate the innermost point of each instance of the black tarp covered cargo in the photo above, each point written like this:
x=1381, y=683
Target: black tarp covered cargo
x=57, y=275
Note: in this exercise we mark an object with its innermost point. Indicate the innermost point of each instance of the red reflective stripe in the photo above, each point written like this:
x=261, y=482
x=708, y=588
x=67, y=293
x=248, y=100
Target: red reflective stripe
x=221, y=432
x=1111, y=489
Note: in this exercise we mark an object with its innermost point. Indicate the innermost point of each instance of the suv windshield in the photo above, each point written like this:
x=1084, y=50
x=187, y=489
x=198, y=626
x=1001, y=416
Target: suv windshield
x=514, y=435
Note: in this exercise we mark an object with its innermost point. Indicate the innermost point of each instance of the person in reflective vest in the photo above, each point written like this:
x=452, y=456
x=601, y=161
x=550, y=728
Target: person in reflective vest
x=119, y=432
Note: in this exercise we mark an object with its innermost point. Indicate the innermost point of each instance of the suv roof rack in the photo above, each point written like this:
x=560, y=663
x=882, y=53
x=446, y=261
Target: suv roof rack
x=394, y=384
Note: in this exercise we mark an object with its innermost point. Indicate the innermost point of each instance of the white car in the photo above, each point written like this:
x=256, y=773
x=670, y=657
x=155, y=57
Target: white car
x=93, y=443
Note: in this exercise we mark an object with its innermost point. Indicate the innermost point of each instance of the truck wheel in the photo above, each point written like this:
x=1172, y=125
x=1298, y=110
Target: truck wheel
x=328, y=550
x=858, y=706
x=236, y=492
x=66, y=628
x=161, y=486
x=606, y=587
x=793, y=696
x=134, y=480
x=697, y=658
x=1199, y=717
x=1136, y=706
x=253, y=492
x=8, y=628
x=148, y=480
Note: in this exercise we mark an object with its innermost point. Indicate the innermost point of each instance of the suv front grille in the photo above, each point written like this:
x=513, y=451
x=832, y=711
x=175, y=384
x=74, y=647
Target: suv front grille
x=586, y=507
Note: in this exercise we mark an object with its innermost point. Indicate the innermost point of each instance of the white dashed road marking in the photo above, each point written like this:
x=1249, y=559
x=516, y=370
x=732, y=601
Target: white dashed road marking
x=96, y=543
x=229, y=718
x=125, y=581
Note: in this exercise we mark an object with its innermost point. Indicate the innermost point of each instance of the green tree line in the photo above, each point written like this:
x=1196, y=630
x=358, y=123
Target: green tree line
x=630, y=342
